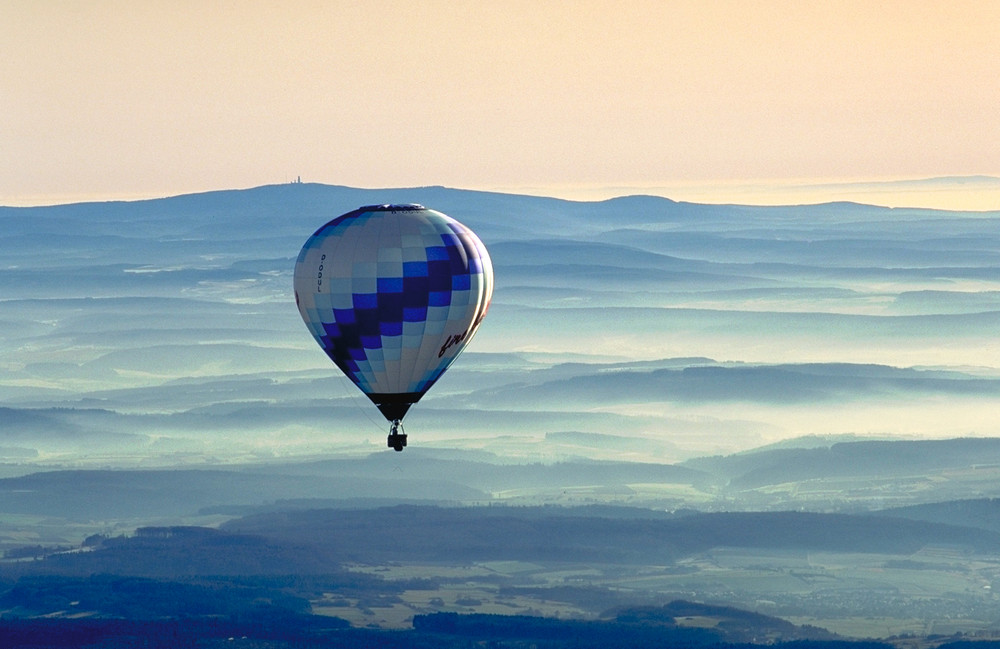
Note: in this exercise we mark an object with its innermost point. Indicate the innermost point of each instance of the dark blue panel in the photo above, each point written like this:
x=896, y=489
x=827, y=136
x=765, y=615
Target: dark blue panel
x=367, y=322
x=390, y=285
x=439, y=275
x=414, y=269
x=344, y=316
x=458, y=259
x=415, y=290
x=390, y=307
x=460, y=283
x=371, y=342
x=365, y=300
x=392, y=329
x=439, y=298
x=437, y=253
x=418, y=314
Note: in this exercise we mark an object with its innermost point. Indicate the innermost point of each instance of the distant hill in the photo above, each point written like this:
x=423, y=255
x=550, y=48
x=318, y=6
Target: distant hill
x=163, y=331
x=529, y=534
x=317, y=541
x=153, y=495
x=875, y=473
x=502, y=475
x=605, y=384
x=980, y=513
x=156, y=494
x=884, y=459
x=631, y=627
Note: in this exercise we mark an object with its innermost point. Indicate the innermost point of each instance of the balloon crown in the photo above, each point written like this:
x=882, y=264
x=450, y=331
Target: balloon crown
x=401, y=207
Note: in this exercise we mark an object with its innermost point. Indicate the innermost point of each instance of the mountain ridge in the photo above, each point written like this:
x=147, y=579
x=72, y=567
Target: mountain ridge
x=198, y=287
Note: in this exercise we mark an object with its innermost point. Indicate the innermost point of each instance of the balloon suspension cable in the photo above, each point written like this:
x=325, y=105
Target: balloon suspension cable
x=397, y=438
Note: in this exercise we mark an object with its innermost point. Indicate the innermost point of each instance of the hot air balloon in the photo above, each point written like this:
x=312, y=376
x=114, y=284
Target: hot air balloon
x=393, y=293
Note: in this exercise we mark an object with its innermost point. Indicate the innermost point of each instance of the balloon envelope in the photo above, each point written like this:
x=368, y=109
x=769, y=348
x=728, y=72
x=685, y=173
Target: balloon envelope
x=393, y=293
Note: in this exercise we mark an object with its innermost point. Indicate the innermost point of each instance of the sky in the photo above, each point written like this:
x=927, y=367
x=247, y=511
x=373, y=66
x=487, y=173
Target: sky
x=107, y=99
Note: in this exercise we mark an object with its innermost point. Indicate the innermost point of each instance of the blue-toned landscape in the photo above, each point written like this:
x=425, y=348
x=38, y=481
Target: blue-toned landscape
x=164, y=331
x=679, y=424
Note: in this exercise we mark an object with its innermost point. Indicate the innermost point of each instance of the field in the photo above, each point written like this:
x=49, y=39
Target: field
x=936, y=591
x=477, y=588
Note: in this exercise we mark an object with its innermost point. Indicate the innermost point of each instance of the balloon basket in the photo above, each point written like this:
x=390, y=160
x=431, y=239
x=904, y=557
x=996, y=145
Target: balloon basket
x=396, y=440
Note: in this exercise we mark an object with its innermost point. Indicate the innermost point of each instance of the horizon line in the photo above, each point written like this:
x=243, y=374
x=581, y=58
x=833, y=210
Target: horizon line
x=963, y=193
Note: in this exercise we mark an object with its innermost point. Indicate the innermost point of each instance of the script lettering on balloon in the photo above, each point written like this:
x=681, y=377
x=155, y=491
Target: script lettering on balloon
x=452, y=341
x=319, y=274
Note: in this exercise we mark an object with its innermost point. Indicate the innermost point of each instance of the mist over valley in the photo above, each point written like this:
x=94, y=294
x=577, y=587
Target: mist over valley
x=675, y=416
x=696, y=328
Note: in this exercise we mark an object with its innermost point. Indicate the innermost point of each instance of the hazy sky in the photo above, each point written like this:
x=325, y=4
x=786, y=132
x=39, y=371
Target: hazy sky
x=105, y=99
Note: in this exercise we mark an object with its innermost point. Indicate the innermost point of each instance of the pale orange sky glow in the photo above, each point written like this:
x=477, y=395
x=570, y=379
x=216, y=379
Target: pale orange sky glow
x=105, y=99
